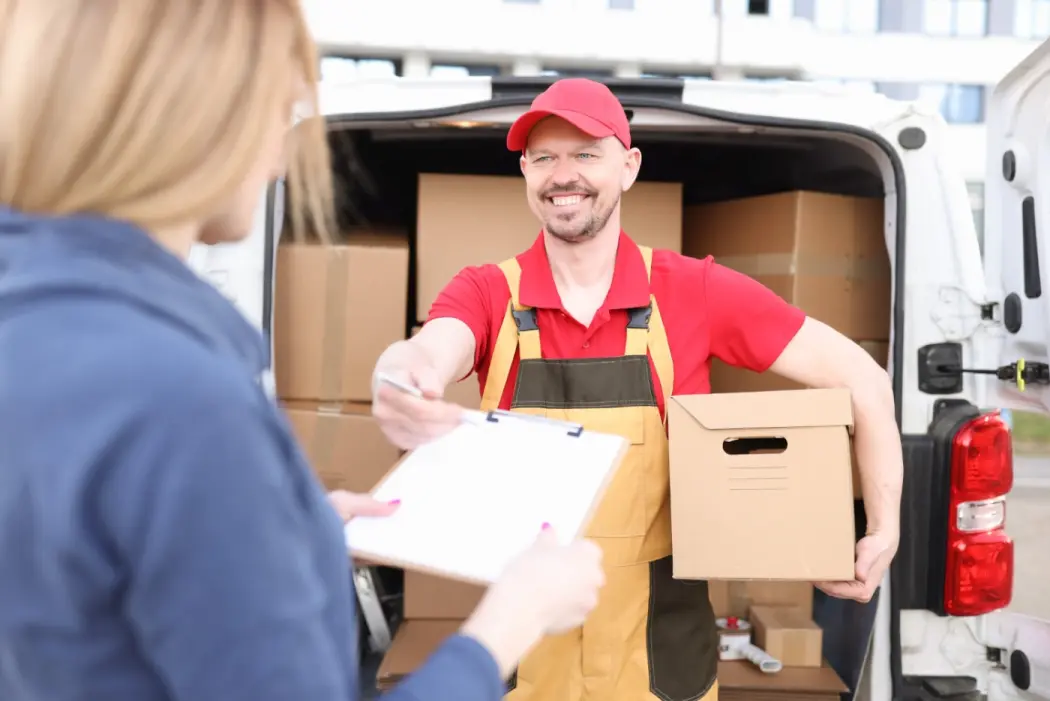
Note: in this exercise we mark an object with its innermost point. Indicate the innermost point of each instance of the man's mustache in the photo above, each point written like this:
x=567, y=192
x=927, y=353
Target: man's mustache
x=568, y=189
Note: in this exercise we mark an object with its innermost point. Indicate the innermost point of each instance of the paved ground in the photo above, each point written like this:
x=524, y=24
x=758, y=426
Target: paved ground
x=1028, y=521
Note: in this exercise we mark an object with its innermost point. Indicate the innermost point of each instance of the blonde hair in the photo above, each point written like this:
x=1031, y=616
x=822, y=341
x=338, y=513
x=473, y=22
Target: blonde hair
x=155, y=111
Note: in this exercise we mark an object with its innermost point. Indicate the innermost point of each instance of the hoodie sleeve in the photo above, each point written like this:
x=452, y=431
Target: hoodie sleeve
x=460, y=670
x=217, y=539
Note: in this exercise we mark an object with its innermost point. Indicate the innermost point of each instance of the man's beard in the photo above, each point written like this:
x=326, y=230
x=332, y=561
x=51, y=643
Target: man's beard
x=576, y=232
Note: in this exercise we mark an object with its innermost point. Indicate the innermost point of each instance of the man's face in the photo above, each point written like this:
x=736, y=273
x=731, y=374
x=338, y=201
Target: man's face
x=574, y=181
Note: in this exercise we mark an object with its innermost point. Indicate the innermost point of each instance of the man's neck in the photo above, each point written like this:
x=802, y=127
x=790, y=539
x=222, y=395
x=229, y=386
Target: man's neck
x=587, y=264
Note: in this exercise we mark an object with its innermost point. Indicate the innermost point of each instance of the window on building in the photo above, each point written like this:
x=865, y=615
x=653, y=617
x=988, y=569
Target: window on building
x=1032, y=19
x=677, y=76
x=847, y=16
x=338, y=68
x=956, y=18
x=959, y=104
x=758, y=7
x=444, y=70
x=621, y=4
x=596, y=73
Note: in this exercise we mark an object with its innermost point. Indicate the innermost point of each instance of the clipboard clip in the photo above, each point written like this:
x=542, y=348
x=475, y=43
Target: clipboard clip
x=497, y=415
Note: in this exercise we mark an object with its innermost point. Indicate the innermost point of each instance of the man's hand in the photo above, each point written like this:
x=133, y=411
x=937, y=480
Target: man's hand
x=348, y=505
x=875, y=551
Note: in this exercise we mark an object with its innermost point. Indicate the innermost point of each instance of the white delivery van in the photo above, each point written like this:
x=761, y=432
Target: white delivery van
x=966, y=334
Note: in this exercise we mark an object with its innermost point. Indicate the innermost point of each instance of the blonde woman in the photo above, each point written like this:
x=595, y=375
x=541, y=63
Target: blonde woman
x=161, y=538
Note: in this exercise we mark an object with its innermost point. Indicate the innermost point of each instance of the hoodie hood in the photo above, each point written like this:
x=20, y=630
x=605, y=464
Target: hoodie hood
x=43, y=259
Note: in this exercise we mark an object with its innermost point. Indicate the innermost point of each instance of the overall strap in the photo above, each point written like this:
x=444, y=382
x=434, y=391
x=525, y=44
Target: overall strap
x=507, y=341
x=655, y=334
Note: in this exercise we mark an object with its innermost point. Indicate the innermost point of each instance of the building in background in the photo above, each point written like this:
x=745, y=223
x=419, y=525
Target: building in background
x=946, y=53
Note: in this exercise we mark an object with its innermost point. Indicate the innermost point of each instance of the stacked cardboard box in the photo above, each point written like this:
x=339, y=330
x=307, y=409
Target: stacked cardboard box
x=336, y=308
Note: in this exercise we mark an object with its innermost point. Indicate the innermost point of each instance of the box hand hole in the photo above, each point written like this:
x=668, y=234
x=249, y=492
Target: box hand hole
x=759, y=445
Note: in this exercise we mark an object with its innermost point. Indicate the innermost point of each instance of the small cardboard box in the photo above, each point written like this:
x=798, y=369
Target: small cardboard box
x=431, y=597
x=761, y=485
x=787, y=634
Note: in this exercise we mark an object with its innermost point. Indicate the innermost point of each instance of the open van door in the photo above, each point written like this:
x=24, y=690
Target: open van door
x=1017, y=275
x=1017, y=236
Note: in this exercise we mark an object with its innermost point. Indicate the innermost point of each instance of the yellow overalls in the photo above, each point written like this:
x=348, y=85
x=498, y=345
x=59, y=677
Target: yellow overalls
x=651, y=636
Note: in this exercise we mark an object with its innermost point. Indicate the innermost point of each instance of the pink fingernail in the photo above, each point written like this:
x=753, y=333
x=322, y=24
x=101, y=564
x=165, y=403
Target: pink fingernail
x=545, y=526
x=394, y=502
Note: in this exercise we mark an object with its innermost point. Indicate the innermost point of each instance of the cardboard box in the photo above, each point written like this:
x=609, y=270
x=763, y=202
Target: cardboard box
x=761, y=485
x=737, y=598
x=475, y=219
x=343, y=444
x=742, y=681
x=336, y=309
x=413, y=643
x=824, y=253
x=787, y=634
x=430, y=597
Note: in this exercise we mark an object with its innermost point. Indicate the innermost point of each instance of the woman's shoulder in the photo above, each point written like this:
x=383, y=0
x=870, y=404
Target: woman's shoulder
x=81, y=353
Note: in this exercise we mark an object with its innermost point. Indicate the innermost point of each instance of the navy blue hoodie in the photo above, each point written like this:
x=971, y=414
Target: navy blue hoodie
x=161, y=537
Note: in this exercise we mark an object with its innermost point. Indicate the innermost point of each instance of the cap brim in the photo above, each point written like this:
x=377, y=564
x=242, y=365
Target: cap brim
x=518, y=136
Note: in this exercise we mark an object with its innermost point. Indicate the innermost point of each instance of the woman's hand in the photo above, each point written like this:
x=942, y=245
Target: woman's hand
x=348, y=505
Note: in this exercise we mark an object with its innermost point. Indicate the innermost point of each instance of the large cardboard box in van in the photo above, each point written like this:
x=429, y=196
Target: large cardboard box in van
x=761, y=485
x=824, y=253
x=336, y=309
x=343, y=444
x=431, y=597
x=467, y=220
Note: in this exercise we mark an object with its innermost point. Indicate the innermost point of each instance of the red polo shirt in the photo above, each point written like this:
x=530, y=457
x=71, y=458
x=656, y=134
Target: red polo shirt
x=707, y=309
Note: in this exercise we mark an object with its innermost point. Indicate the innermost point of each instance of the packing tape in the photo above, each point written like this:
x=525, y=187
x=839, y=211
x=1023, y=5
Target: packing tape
x=762, y=659
x=326, y=433
x=816, y=265
x=734, y=635
x=333, y=343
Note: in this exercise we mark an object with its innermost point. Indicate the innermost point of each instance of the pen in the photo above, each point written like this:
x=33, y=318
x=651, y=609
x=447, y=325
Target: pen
x=399, y=385
x=468, y=415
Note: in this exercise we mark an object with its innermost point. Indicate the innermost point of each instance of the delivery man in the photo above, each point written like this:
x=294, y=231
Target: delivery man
x=589, y=327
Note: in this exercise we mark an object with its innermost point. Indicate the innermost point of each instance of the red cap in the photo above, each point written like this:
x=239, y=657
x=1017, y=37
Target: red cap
x=587, y=105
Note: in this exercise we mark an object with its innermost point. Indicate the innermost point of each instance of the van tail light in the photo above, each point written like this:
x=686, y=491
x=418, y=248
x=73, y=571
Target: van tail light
x=979, y=569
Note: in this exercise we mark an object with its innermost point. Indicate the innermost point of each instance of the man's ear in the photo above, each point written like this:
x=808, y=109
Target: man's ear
x=632, y=164
x=521, y=162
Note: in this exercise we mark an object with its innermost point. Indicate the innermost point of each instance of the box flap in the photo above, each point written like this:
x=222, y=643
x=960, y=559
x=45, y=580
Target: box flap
x=768, y=410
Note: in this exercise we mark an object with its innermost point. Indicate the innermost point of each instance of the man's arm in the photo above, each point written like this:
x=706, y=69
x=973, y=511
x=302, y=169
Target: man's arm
x=446, y=345
x=454, y=338
x=753, y=328
x=819, y=356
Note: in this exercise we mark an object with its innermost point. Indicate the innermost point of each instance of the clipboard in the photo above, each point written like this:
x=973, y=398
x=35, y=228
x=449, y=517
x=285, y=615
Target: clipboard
x=476, y=497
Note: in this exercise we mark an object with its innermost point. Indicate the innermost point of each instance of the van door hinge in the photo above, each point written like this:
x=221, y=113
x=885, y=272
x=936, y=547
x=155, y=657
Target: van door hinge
x=941, y=370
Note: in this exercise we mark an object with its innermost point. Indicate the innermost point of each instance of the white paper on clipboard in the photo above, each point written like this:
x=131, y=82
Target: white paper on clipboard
x=478, y=496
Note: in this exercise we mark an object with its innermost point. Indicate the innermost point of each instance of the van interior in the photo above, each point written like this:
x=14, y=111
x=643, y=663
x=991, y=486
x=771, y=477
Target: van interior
x=377, y=180
x=376, y=170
